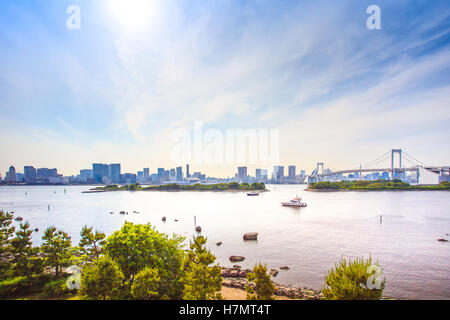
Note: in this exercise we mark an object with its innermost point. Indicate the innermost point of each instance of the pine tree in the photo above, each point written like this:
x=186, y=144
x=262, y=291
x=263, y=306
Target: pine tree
x=6, y=233
x=264, y=288
x=201, y=281
x=91, y=243
x=56, y=245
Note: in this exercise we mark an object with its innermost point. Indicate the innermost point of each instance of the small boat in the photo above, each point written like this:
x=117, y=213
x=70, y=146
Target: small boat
x=136, y=212
x=122, y=212
x=296, y=202
x=252, y=194
x=111, y=212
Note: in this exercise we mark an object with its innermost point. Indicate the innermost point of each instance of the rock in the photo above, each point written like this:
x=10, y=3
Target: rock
x=227, y=283
x=284, y=268
x=19, y=219
x=251, y=236
x=237, y=258
x=164, y=219
x=236, y=266
x=36, y=230
x=198, y=229
x=175, y=220
x=219, y=243
x=273, y=272
x=441, y=240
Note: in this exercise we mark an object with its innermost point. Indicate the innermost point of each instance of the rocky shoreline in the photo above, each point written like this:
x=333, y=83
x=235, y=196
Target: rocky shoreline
x=235, y=277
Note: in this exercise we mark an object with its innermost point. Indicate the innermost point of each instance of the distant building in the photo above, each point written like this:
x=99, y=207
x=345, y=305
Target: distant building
x=146, y=174
x=30, y=174
x=99, y=171
x=242, y=173
x=46, y=173
x=302, y=173
x=291, y=172
x=86, y=174
x=188, y=175
x=258, y=174
x=278, y=173
x=11, y=176
x=179, y=174
x=114, y=172
x=265, y=174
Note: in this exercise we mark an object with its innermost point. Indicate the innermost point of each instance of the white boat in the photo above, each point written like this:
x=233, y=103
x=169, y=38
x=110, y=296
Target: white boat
x=253, y=194
x=296, y=202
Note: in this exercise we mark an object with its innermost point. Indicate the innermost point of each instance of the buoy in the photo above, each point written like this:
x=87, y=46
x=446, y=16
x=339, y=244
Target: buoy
x=164, y=219
x=198, y=229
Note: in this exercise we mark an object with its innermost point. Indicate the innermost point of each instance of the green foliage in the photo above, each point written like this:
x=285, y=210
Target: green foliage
x=137, y=246
x=349, y=281
x=263, y=286
x=146, y=285
x=57, y=247
x=56, y=288
x=201, y=281
x=91, y=243
x=101, y=280
x=12, y=287
x=6, y=233
x=25, y=262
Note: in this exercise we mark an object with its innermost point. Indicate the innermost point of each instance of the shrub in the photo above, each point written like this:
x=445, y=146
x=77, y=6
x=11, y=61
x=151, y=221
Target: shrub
x=264, y=288
x=146, y=284
x=55, y=288
x=201, y=280
x=101, y=280
x=12, y=287
x=353, y=280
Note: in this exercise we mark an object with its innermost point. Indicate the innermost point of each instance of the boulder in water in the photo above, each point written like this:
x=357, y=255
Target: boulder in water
x=251, y=236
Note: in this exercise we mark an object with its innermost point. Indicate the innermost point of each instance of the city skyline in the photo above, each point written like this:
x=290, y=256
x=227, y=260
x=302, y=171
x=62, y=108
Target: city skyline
x=115, y=90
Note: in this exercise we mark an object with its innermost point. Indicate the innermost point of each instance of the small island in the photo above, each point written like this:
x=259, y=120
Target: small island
x=377, y=185
x=232, y=186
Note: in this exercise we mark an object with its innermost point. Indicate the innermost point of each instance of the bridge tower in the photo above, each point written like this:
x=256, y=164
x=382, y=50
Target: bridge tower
x=393, y=169
x=320, y=166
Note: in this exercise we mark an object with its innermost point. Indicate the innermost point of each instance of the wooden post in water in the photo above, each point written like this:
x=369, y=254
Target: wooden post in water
x=381, y=219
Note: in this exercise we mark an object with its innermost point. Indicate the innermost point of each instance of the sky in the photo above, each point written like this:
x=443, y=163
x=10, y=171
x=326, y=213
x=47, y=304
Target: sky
x=116, y=90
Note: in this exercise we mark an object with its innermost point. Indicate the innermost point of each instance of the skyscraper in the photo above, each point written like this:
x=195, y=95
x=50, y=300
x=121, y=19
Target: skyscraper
x=99, y=171
x=258, y=174
x=179, y=173
x=12, y=175
x=291, y=172
x=114, y=172
x=30, y=174
x=242, y=173
x=146, y=173
x=188, y=175
x=278, y=172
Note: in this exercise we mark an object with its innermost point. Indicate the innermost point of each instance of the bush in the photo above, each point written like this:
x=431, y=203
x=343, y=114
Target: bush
x=13, y=287
x=264, y=288
x=101, y=280
x=56, y=288
x=353, y=280
x=146, y=284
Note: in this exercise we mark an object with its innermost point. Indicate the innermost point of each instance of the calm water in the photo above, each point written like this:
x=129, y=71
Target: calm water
x=308, y=240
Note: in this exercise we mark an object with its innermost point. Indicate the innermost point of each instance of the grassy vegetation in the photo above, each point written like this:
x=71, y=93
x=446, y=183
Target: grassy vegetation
x=374, y=185
x=232, y=186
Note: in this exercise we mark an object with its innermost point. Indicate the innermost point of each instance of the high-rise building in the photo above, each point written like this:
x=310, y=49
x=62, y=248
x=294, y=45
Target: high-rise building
x=30, y=174
x=188, y=175
x=258, y=174
x=278, y=172
x=47, y=173
x=86, y=174
x=302, y=173
x=146, y=173
x=291, y=172
x=265, y=175
x=114, y=172
x=12, y=175
x=99, y=171
x=179, y=173
x=242, y=173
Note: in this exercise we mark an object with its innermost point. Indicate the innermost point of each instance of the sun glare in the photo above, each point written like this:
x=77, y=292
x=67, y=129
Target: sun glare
x=133, y=13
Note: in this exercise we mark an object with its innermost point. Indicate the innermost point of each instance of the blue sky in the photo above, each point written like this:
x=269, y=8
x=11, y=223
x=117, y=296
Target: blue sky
x=115, y=90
